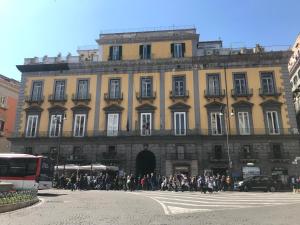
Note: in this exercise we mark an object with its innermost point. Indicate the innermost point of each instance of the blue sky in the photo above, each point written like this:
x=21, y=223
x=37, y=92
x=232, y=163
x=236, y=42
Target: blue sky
x=46, y=27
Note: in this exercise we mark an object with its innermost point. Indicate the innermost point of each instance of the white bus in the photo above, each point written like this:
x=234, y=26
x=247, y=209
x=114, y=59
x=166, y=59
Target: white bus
x=22, y=170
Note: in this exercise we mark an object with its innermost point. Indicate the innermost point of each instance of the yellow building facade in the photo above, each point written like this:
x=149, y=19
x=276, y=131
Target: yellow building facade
x=161, y=101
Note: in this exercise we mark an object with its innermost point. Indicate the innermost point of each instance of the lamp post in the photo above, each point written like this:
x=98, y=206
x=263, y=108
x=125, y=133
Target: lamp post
x=226, y=118
x=59, y=122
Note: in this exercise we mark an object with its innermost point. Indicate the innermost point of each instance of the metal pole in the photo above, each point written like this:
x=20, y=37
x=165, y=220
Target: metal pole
x=228, y=150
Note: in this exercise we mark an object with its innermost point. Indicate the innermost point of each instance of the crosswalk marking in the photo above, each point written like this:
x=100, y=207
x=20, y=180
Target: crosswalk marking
x=192, y=202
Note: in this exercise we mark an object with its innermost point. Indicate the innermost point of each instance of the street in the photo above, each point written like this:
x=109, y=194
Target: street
x=60, y=207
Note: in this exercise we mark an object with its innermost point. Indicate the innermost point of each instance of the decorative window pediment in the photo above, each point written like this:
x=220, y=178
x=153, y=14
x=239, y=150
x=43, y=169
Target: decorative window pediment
x=242, y=104
x=80, y=108
x=271, y=103
x=179, y=107
x=34, y=108
x=145, y=108
x=113, y=108
x=56, y=108
x=215, y=105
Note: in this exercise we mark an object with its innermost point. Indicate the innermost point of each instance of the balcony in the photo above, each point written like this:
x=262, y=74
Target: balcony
x=245, y=93
x=34, y=99
x=117, y=98
x=185, y=156
x=110, y=157
x=266, y=93
x=76, y=98
x=218, y=94
x=282, y=157
x=140, y=97
x=251, y=157
x=179, y=95
x=217, y=159
x=56, y=99
x=76, y=159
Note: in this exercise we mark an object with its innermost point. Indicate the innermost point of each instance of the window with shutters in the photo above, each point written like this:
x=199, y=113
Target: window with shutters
x=146, y=87
x=180, y=123
x=213, y=84
x=216, y=123
x=32, y=125
x=82, y=89
x=55, y=125
x=145, y=51
x=244, y=123
x=240, y=85
x=59, y=92
x=146, y=124
x=177, y=50
x=179, y=86
x=180, y=152
x=115, y=52
x=114, y=88
x=273, y=123
x=36, y=94
x=79, y=125
x=218, y=152
x=112, y=124
x=267, y=83
x=2, y=124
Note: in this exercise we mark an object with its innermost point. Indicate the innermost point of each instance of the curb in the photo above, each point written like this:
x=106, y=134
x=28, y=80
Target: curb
x=12, y=207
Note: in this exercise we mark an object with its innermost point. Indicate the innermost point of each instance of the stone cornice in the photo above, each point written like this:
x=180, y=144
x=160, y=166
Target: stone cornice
x=278, y=58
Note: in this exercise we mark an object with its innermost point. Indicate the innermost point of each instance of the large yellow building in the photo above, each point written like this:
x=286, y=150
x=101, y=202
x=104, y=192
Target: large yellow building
x=161, y=101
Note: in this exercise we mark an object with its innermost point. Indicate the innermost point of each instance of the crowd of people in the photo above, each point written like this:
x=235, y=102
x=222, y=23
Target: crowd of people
x=111, y=181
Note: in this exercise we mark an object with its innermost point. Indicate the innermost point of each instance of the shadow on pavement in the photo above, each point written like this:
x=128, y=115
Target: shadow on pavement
x=50, y=194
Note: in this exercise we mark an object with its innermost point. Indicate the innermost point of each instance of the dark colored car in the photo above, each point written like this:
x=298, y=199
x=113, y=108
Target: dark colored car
x=258, y=183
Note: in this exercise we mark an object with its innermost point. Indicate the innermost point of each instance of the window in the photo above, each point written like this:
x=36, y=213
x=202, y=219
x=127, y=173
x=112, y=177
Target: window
x=3, y=101
x=213, y=84
x=246, y=151
x=218, y=152
x=114, y=88
x=115, y=52
x=244, y=123
x=146, y=124
x=79, y=125
x=180, y=123
x=112, y=124
x=240, y=84
x=273, y=124
x=177, y=50
x=267, y=83
x=55, y=125
x=276, y=148
x=2, y=124
x=216, y=123
x=32, y=123
x=145, y=51
x=77, y=153
x=146, y=87
x=180, y=152
x=59, y=91
x=82, y=89
x=179, y=86
x=36, y=94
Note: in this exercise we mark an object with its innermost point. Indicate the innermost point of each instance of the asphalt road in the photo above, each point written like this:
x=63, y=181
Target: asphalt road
x=63, y=207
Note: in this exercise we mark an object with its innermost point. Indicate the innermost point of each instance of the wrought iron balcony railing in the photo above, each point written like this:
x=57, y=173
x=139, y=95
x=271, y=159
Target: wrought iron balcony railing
x=214, y=94
x=281, y=157
x=117, y=97
x=53, y=98
x=213, y=158
x=34, y=99
x=251, y=157
x=81, y=97
x=140, y=97
x=179, y=95
x=185, y=156
x=244, y=93
x=272, y=92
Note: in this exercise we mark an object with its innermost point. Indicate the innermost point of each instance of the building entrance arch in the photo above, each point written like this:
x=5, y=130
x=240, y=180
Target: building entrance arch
x=145, y=163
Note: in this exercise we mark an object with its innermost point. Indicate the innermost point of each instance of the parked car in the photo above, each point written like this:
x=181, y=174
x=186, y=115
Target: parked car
x=259, y=183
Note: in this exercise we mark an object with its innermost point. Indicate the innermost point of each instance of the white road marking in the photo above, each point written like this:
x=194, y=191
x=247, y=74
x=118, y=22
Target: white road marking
x=186, y=202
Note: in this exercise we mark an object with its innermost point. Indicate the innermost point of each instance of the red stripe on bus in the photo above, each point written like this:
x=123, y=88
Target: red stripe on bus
x=18, y=178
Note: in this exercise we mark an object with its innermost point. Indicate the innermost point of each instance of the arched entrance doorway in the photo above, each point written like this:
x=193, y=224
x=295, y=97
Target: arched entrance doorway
x=145, y=163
